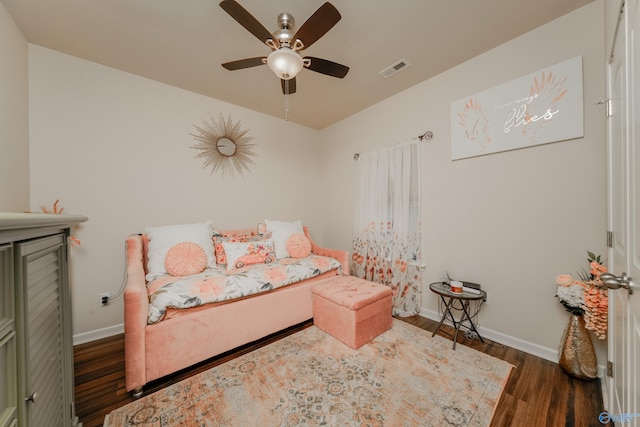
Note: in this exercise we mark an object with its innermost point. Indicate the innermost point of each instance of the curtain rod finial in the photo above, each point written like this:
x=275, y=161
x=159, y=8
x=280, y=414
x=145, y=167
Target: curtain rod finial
x=426, y=136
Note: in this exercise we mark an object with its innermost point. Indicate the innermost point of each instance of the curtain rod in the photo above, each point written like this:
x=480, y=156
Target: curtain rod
x=427, y=136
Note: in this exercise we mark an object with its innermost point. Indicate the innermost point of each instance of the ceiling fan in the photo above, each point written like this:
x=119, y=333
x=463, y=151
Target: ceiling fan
x=284, y=59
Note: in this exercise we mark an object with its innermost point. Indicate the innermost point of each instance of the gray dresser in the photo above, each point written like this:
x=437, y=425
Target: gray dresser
x=36, y=349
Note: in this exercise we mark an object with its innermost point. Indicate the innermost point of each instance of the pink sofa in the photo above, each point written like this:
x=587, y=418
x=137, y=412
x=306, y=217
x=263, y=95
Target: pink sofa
x=197, y=334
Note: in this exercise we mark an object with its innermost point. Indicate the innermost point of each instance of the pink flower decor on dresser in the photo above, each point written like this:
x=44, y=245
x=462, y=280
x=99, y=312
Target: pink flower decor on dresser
x=56, y=209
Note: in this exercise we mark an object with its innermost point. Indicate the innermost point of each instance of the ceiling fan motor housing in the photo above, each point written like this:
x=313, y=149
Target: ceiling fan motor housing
x=285, y=33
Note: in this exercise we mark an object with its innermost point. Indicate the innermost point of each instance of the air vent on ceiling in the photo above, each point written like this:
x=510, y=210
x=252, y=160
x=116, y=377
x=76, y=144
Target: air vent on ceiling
x=395, y=68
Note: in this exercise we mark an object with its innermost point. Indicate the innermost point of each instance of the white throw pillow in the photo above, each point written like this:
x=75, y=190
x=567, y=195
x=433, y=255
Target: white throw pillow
x=161, y=239
x=280, y=232
x=240, y=254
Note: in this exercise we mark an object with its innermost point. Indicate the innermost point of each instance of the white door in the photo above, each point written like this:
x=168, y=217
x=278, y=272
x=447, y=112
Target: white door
x=624, y=208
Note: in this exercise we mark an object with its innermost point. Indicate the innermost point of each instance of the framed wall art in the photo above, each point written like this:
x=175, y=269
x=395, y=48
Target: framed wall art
x=539, y=108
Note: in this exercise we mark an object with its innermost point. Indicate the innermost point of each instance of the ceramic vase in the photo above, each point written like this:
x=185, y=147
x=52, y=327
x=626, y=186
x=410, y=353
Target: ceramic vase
x=577, y=355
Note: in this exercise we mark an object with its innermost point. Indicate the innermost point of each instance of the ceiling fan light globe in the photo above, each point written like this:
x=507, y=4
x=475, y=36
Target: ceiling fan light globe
x=285, y=63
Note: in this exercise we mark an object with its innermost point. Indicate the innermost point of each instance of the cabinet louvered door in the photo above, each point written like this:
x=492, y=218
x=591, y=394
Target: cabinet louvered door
x=42, y=284
x=8, y=367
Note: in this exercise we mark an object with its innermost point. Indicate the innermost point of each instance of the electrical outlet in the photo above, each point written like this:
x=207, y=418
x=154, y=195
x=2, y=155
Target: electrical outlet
x=104, y=298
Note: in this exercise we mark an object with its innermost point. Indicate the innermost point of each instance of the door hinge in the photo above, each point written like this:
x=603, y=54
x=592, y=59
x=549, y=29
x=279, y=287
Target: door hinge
x=609, y=239
x=609, y=368
x=608, y=107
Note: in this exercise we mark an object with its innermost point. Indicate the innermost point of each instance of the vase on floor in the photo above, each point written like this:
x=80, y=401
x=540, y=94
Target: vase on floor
x=577, y=355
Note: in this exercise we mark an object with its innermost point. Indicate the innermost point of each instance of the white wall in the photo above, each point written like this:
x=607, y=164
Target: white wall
x=511, y=221
x=14, y=117
x=116, y=148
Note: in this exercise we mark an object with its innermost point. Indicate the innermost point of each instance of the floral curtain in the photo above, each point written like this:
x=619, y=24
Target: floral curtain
x=386, y=241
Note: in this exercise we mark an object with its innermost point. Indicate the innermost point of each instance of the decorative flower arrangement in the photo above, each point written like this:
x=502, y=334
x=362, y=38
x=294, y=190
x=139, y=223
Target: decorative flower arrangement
x=56, y=209
x=587, y=296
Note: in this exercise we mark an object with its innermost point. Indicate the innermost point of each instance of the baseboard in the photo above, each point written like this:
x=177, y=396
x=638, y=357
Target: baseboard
x=550, y=354
x=98, y=334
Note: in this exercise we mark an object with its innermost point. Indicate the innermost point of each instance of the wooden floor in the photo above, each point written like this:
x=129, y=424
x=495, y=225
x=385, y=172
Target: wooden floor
x=538, y=392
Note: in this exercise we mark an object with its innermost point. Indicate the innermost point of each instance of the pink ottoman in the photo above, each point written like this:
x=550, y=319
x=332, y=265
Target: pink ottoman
x=353, y=310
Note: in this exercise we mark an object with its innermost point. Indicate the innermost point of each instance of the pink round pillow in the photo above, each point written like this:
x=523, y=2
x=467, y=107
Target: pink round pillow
x=298, y=246
x=185, y=259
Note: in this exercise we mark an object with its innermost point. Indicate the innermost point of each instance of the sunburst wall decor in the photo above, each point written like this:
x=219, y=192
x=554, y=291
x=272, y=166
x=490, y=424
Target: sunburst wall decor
x=224, y=146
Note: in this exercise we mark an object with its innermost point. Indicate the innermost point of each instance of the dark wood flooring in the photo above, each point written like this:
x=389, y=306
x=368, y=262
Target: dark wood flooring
x=538, y=392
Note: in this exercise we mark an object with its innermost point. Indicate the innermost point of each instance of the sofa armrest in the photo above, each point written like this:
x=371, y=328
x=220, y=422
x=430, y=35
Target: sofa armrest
x=342, y=256
x=136, y=310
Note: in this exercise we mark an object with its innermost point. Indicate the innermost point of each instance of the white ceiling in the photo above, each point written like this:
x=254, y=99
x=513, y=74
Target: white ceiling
x=183, y=42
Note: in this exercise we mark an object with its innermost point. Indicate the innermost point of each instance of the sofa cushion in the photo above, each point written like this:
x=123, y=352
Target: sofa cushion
x=239, y=254
x=298, y=246
x=185, y=259
x=220, y=238
x=281, y=231
x=163, y=238
x=217, y=284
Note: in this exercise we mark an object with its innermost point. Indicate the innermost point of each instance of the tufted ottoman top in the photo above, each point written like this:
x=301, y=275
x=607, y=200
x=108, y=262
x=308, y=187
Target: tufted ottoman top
x=350, y=292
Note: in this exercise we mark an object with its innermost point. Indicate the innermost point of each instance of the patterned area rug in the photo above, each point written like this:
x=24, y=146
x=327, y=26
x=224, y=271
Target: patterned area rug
x=402, y=378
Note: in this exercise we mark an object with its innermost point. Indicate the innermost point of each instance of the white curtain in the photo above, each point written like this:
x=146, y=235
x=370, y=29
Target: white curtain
x=386, y=243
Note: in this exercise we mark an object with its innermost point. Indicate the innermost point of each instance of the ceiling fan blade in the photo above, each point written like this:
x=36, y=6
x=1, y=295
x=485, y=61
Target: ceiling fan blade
x=247, y=20
x=317, y=25
x=244, y=63
x=291, y=88
x=327, y=67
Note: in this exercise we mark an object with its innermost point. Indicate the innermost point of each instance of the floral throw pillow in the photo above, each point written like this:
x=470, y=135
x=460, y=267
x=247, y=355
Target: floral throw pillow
x=220, y=238
x=239, y=254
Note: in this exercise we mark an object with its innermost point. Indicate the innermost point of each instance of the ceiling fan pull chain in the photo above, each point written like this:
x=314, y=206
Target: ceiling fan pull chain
x=286, y=101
